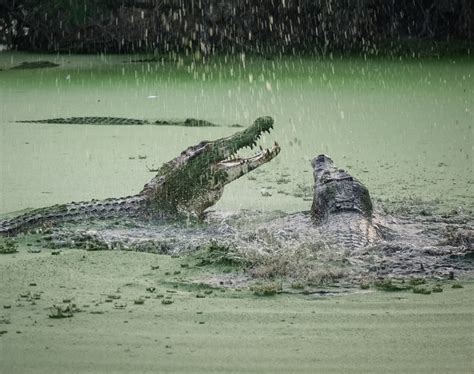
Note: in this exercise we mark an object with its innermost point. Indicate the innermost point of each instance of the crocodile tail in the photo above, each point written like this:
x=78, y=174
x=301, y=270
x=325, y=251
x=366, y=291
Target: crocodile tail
x=90, y=121
x=129, y=206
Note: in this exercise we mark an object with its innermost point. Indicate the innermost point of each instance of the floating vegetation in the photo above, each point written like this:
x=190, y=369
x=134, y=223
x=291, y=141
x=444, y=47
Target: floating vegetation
x=95, y=245
x=62, y=311
x=220, y=254
x=421, y=290
x=300, y=264
x=437, y=288
x=391, y=285
x=283, y=180
x=297, y=285
x=267, y=289
x=139, y=301
x=416, y=281
x=265, y=193
x=118, y=305
x=456, y=236
x=417, y=285
x=8, y=246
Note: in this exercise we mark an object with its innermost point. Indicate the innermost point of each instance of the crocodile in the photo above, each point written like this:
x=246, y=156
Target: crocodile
x=122, y=121
x=342, y=207
x=35, y=65
x=185, y=186
x=342, y=236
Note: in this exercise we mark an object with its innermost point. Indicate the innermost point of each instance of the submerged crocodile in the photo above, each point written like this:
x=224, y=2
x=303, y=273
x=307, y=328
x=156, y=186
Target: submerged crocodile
x=186, y=185
x=121, y=121
x=342, y=207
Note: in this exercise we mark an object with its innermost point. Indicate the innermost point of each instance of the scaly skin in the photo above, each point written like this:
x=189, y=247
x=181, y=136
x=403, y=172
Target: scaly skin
x=342, y=207
x=130, y=206
x=186, y=185
x=188, y=122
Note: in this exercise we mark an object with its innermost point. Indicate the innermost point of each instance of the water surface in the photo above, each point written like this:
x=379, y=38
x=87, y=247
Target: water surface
x=404, y=127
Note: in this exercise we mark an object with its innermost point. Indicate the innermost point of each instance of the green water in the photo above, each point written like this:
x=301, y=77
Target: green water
x=404, y=127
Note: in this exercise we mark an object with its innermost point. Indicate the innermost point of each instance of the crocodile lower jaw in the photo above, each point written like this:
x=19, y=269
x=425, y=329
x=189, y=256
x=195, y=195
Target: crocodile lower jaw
x=239, y=166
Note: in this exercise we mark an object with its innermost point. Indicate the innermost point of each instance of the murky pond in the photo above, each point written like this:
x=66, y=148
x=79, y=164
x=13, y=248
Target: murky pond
x=404, y=127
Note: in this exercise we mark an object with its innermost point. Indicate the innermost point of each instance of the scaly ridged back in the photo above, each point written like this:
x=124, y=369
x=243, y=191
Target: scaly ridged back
x=90, y=121
x=127, y=206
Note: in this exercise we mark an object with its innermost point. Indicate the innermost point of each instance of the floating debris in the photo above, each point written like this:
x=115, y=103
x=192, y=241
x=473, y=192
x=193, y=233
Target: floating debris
x=62, y=311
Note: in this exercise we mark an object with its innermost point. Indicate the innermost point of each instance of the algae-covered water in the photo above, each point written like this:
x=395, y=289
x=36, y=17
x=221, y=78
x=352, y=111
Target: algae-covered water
x=215, y=329
x=404, y=127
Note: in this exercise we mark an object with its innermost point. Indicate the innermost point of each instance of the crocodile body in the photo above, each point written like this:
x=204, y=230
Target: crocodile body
x=339, y=237
x=130, y=206
x=342, y=208
x=120, y=121
x=187, y=185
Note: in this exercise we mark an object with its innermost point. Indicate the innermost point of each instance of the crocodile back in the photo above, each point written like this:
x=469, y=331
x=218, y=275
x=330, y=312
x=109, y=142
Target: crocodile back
x=342, y=207
x=77, y=211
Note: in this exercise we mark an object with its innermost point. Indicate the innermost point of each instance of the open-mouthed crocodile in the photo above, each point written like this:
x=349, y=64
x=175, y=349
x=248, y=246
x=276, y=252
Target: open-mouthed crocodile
x=187, y=185
x=339, y=238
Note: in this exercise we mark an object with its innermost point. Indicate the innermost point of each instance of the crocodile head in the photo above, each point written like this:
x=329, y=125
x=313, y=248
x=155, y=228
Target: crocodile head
x=335, y=190
x=195, y=179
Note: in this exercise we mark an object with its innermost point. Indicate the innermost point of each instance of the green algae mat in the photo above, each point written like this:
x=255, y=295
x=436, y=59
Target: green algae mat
x=110, y=311
x=403, y=126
